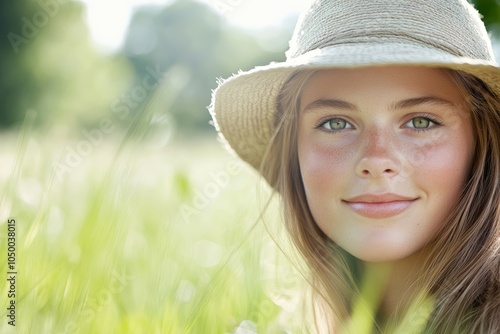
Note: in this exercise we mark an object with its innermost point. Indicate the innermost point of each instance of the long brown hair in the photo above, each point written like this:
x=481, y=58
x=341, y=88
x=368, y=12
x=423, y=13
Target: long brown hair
x=463, y=270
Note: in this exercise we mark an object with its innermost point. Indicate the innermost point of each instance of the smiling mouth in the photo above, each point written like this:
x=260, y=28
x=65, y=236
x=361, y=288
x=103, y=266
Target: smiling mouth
x=379, y=206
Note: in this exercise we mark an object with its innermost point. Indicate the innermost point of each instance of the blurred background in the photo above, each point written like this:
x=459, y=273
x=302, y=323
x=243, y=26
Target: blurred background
x=131, y=217
x=72, y=60
x=76, y=61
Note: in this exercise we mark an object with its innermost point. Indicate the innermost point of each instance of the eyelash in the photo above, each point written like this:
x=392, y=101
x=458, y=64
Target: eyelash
x=322, y=122
x=430, y=118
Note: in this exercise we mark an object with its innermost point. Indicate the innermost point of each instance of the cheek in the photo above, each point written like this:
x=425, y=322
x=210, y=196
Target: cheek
x=442, y=165
x=325, y=168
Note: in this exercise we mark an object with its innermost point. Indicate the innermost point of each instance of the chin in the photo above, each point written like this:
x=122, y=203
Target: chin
x=380, y=255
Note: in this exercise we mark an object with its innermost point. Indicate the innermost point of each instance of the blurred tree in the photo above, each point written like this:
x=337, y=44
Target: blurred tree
x=192, y=34
x=14, y=73
x=490, y=9
x=49, y=64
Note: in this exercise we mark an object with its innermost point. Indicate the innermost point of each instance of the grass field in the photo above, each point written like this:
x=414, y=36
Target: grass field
x=139, y=238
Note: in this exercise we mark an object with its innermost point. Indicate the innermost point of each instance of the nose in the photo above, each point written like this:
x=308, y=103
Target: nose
x=378, y=155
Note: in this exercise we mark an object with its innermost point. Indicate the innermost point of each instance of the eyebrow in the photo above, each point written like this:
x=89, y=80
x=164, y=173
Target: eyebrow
x=407, y=103
x=413, y=102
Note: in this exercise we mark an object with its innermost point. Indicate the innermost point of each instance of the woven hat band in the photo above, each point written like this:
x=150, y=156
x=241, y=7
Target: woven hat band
x=451, y=26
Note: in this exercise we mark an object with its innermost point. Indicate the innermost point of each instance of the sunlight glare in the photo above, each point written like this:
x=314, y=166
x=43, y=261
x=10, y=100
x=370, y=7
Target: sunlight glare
x=108, y=20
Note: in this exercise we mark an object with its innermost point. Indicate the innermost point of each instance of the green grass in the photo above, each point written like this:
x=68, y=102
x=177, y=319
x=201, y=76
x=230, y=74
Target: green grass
x=139, y=236
x=107, y=248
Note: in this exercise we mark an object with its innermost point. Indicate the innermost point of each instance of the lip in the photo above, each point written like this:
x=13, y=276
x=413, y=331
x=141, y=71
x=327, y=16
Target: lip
x=379, y=205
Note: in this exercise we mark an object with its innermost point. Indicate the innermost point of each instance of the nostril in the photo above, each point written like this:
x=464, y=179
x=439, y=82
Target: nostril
x=375, y=167
x=367, y=172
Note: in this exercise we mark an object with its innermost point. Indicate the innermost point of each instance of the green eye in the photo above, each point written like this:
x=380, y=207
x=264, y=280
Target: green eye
x=420, y=123
x=336, y=124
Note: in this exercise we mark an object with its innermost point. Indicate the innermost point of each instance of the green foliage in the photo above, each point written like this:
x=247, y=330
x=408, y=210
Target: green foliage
x=490, y=9
x=49, y=64
x=15, y=76
x=193, y=35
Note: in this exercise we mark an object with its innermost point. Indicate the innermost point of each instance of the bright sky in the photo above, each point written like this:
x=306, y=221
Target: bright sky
x=109, y=34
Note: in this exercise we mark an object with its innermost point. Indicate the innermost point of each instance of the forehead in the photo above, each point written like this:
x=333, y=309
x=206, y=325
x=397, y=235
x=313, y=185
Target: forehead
x=376, y=82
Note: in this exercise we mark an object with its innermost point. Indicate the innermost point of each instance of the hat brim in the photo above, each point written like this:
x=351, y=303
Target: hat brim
x=244, y=105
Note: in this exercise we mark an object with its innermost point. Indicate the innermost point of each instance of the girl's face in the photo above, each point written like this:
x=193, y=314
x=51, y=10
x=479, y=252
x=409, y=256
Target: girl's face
x=384, y=153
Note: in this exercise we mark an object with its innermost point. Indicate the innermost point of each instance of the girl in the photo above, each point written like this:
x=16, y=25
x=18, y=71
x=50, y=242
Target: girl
x=381, y=133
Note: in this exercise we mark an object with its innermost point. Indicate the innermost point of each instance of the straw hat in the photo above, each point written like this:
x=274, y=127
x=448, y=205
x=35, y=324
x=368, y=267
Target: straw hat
x=353, y=33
